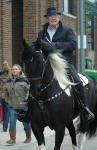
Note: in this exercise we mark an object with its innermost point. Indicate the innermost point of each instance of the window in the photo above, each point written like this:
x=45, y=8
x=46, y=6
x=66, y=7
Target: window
x=90, y=33
x=68, y=7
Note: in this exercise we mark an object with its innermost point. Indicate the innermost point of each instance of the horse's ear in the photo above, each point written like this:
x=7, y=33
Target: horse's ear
x=25, y=43
x=37, y=44
x=25, y=52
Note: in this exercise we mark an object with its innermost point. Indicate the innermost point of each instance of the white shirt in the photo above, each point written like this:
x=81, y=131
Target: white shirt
x=51, y=32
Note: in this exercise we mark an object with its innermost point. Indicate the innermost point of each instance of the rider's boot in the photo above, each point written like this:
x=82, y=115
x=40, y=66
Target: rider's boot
x=87, y=114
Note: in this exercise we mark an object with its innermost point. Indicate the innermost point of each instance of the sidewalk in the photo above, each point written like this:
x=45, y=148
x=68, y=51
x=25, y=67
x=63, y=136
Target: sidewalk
x=49, y=140
x=20, y=137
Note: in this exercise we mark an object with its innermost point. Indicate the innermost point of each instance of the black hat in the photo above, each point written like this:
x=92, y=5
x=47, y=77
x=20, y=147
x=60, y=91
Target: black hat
x=52, y=11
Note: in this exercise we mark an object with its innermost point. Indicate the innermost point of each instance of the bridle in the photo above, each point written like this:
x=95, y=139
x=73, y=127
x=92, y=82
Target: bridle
x=40, y=78
x=44, y=66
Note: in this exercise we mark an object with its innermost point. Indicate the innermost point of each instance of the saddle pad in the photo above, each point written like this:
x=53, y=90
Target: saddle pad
x=83, y=79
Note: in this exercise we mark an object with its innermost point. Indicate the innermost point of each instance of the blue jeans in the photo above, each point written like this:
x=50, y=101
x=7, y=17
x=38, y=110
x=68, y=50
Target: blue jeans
x=13, y=119
x=5, y=113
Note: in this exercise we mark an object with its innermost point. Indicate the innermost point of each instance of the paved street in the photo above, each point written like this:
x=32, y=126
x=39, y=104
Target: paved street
x=49, y=135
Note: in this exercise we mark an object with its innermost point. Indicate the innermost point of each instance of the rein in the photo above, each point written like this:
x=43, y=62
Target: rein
x=47, y=85
x=37, y=78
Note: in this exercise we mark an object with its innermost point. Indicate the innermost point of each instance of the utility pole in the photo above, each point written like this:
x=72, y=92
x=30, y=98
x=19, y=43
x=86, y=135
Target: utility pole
x=81, y=37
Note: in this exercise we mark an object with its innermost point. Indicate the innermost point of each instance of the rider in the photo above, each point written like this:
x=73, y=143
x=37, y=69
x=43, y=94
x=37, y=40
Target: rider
x=63, y=38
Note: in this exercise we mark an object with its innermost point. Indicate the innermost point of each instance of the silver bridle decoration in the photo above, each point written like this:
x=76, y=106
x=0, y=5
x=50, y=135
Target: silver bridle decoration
x=51, y=98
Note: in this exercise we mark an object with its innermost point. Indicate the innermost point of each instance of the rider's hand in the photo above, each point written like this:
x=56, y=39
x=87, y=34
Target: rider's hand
x=47, y=46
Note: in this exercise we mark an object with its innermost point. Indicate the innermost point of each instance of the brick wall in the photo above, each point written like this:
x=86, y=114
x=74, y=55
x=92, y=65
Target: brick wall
x=17, y=31
x=29, y=20
x=0, y=34
x=5, y=32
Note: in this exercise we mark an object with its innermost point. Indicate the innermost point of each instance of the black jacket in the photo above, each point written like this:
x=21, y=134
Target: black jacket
x=64, y=39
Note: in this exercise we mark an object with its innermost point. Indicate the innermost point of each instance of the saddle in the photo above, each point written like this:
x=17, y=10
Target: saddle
x=84, y=80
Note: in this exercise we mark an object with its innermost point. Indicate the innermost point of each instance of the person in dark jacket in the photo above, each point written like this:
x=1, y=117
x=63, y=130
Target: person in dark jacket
x=55, y=36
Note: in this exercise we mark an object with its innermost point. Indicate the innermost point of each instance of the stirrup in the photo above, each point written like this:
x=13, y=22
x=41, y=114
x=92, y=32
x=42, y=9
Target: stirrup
x=88, y=115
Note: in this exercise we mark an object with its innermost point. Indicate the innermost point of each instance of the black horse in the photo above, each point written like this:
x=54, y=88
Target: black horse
x=53, y=101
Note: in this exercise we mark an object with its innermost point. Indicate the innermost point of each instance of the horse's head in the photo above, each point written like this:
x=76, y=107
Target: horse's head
x=34, y=65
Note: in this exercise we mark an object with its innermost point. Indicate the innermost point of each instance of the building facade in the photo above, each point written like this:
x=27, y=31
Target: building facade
x=91, y=28
x=22, y=19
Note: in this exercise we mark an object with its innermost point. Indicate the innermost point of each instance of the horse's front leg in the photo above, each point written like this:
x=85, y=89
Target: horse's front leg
x=59, y=135
x=81, y=140
x=38, y=132
x=72, y=133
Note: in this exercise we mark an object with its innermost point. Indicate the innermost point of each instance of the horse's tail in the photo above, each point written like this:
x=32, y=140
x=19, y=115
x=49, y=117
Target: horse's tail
x=93, y=125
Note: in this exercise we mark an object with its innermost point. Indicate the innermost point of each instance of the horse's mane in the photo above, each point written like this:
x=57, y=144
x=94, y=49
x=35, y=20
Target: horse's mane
x=59, y=66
